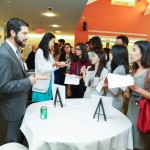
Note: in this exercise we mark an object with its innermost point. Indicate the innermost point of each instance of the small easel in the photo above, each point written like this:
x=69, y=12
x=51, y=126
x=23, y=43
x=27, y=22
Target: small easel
x=60, y=100
x=97, y=111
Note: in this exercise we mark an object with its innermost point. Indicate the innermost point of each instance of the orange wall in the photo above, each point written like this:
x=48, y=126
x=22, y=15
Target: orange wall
x=103, y=16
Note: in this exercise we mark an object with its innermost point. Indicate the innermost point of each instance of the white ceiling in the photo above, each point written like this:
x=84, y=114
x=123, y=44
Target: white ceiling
x=68, y=13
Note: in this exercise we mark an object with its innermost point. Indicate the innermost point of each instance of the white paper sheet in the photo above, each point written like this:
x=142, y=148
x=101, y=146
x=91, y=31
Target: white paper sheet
x=72, y=79
x=62, y=91
x=107, y=103
x=115, y=80
x=101, y=83
x=89, y=75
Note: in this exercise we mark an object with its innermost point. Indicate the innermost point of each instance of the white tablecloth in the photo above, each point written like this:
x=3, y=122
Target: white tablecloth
x=73, y=128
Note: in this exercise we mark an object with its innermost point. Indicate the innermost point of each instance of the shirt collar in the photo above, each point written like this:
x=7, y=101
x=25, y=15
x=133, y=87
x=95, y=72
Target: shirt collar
x=12, y=46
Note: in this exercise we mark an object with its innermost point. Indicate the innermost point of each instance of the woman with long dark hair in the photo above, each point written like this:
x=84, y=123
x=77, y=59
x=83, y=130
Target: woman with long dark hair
x=140, y=57
x=119, y=64
x=97, y=72
x=45, y=64
x=88, y=49
x=96, y=43
x=79, y=60
x=57, y=53
x=67, y=57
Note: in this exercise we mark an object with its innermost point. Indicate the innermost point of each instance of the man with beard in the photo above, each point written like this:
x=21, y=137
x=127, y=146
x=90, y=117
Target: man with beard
x=61, y=43
x=14, y=80
x=122, y=40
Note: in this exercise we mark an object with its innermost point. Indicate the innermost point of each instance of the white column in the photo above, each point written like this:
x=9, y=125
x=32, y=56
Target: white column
x=1, y=35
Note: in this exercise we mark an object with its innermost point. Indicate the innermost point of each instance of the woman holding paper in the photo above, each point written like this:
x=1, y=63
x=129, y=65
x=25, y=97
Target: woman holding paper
x=140, y=57
x=80, y=59
x=45, y=64
x=95, y=74
x=118, y=64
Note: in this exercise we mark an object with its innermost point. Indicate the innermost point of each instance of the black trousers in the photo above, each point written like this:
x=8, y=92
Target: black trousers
x=78, y=90
x=13, y=132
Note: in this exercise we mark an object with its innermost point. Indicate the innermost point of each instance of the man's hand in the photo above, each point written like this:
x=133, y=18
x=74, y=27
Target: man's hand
x=33, y=79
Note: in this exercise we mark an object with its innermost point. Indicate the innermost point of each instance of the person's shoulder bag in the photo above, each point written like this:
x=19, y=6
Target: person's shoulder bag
x=143, y=122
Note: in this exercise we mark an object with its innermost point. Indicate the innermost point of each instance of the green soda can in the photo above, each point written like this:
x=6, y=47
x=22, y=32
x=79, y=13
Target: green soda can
x=43, y=112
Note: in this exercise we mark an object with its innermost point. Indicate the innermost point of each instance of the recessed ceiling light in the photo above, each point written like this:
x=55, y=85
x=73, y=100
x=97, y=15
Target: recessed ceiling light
x=55, y=25
x=49, y=14
x=57, y=31
x=9, y=1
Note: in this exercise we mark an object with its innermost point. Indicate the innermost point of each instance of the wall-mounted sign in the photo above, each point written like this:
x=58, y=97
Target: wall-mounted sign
x=39, y=30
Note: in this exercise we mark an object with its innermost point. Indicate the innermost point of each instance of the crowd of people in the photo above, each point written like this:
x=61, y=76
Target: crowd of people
x=52, y=61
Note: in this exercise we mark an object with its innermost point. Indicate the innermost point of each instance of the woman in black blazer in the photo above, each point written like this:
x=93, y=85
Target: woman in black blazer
x=67, y=57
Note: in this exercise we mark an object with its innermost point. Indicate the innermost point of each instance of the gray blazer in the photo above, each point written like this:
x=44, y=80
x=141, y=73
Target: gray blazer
x=14, y=84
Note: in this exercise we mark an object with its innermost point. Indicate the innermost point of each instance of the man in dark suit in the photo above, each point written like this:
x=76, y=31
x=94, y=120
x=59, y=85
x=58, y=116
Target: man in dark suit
x=31, y=58
x=122, y=40
x=61, y=43
x=14, y=80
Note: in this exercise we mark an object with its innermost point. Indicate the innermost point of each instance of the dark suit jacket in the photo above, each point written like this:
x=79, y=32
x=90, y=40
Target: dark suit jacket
x=14, y=84
x=62, y=49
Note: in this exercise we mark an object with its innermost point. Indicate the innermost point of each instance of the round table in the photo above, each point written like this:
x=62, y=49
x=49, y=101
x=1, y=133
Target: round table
x=74, y=128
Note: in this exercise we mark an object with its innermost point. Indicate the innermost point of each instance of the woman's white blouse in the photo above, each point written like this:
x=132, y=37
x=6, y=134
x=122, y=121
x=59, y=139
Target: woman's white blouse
x=43, y=66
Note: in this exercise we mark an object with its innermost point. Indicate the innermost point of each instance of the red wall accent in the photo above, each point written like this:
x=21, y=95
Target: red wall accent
x=101, y=15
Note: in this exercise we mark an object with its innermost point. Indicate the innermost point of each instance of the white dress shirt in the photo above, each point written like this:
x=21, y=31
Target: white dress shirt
x=14, y=48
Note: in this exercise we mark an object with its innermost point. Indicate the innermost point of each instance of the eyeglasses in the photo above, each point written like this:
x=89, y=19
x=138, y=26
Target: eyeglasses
x=77, y=49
